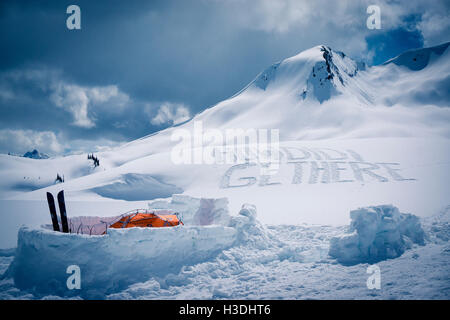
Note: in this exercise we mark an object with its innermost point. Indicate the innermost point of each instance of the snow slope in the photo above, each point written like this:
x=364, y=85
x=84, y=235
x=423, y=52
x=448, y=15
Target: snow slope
x=350, y=135
x=352, y=139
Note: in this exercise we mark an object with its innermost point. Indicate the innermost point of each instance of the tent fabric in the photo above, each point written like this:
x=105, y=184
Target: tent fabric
x=146, y=220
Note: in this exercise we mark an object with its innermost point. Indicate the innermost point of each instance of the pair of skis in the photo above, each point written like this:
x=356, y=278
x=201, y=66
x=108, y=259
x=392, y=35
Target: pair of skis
x=62, y=211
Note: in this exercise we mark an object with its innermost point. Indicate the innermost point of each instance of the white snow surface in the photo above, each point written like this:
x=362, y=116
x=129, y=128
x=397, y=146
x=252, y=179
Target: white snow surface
x=350, y=137
x=389, y=116
x=267, y=262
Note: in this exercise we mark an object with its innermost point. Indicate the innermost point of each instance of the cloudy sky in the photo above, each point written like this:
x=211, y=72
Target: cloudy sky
x=139, y=66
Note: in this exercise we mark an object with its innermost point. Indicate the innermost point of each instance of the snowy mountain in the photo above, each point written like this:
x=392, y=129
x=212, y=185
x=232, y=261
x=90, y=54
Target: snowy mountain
x=35, y=155
x=350, y=135
x=321, y=93
x=330, y=72
x=362, y=176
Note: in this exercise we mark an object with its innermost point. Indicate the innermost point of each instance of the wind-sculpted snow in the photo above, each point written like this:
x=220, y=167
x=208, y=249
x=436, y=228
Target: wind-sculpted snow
x=377, y=233
x=133, y=187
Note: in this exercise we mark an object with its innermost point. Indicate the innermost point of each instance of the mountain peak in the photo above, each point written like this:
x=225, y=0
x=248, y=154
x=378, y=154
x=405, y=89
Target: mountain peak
x=318, y=73
x=314, y=54
x=35, y=155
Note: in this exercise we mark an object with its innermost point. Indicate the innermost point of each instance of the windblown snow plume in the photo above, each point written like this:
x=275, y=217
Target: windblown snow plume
x=377, y=233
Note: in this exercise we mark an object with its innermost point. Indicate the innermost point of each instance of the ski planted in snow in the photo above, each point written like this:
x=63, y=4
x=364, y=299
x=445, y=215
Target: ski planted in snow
x=51, y=206
x=62, y=211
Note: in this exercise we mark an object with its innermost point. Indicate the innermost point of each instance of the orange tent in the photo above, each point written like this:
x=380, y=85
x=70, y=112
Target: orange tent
x=145, y=218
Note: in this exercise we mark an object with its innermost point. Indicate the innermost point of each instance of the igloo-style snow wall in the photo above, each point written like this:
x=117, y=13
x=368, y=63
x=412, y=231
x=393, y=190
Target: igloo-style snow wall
x=196, y=211
x=109, y=263
x=377, y=233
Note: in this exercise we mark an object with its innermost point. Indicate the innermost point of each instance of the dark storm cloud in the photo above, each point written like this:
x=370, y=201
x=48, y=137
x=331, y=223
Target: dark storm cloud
x=133, y=61
x=155, y=50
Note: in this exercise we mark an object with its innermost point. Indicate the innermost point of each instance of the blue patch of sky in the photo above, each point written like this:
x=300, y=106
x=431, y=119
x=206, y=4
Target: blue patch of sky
x=387, y=44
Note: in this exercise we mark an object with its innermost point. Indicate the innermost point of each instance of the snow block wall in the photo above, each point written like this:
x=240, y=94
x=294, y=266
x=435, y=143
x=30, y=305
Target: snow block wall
x=110, y=263
x=196, y=211
x=114, y=261
x=377, y=233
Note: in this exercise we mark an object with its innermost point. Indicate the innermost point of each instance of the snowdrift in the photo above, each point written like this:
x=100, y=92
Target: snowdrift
x=133, y=187
x=112, y=262
x=377, y=233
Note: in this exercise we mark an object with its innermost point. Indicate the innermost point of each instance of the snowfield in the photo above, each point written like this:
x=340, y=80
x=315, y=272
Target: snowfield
x=361, y=177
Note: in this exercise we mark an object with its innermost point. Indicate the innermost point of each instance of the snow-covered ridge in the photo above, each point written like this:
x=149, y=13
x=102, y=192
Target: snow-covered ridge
x=320, y=89
x=420, y=58
x=35, y=155
x=327, y=73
